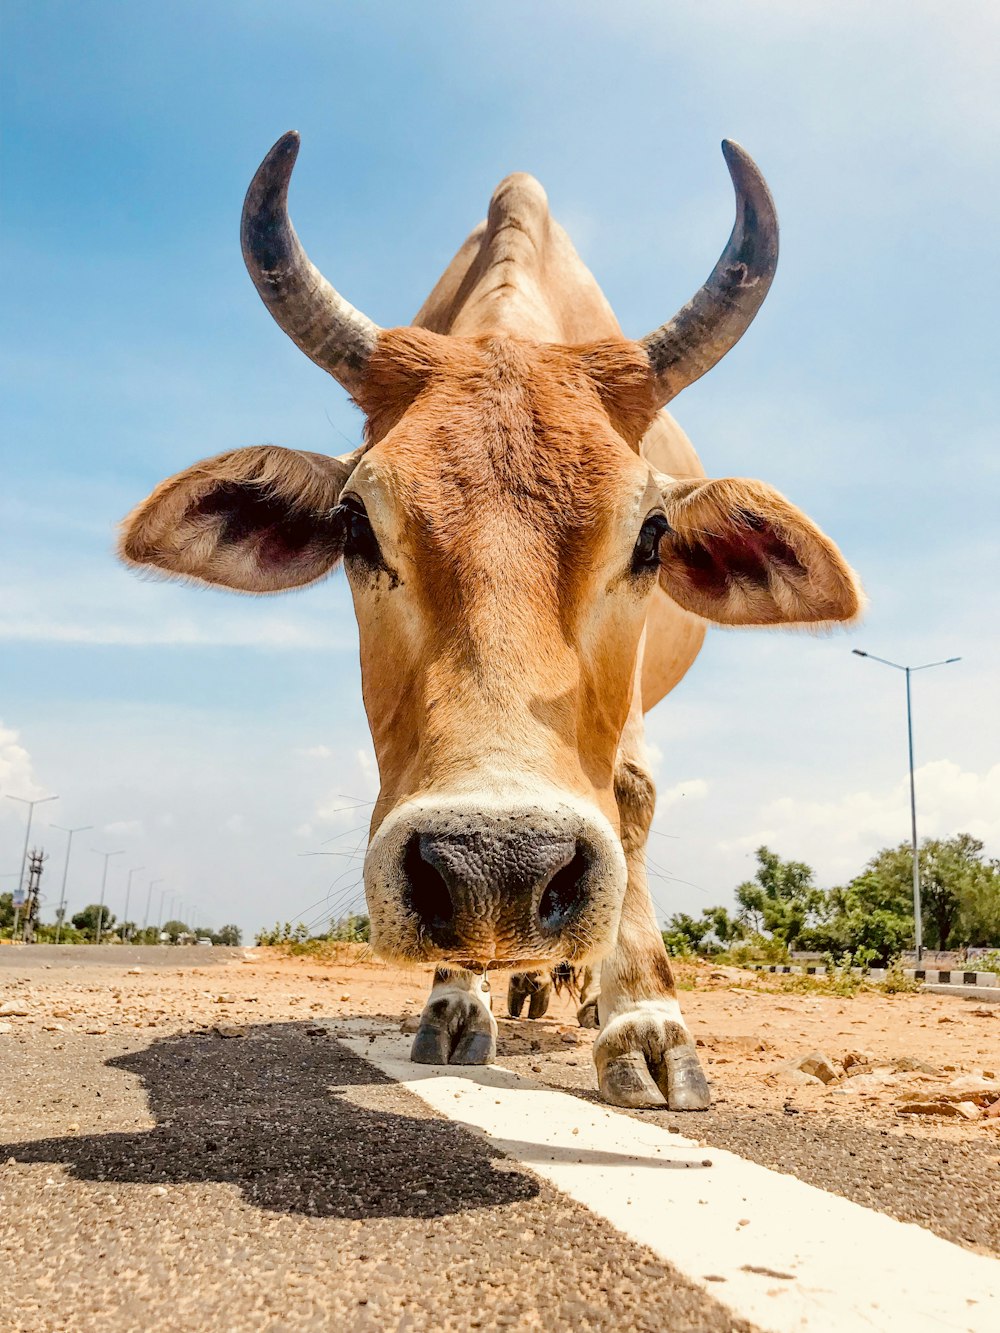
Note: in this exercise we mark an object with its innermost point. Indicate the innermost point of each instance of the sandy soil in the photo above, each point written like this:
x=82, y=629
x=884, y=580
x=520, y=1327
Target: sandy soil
x=750, y=1030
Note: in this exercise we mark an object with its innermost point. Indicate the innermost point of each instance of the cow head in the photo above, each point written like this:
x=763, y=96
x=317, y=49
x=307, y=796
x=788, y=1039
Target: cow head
x=502, y=536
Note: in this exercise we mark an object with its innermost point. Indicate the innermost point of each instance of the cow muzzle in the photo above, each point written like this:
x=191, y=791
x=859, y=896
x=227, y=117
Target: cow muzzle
x=453, y=883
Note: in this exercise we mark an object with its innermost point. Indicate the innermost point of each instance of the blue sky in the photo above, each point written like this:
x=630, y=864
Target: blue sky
x=214, y=738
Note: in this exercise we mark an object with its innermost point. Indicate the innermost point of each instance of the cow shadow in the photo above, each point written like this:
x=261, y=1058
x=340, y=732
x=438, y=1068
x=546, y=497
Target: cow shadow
x=298, y=1124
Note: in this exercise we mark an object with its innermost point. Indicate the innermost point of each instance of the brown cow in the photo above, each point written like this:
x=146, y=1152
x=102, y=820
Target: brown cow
x=533, y=551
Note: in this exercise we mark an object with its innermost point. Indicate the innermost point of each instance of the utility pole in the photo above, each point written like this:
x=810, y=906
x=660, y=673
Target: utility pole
x=40, y=800
x=104, y=881
x=61, y=913
x=128, y=894
x=918, y=922
x=36, y=861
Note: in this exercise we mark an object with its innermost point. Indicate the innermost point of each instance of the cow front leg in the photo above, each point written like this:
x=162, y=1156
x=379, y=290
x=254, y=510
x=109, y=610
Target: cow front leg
x=456, y=1026
x=645, y=1055
x=590, y=992
x=535, y=987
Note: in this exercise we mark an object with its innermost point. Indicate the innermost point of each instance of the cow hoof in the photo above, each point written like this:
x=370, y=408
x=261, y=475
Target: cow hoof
x=455, y=1029
x=526, y=986
x=646, y=1058
x=539, y=1004
x=587, y=1015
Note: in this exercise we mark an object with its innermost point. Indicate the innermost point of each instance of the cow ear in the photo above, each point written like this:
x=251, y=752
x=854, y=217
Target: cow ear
x=738, y=553
x=257, y=520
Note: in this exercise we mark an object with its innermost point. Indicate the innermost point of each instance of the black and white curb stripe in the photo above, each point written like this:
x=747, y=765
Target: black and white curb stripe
x=930, y=976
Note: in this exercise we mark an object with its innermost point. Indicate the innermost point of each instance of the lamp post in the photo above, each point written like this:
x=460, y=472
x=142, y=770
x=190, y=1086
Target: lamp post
x=24, y=855
x=918, y=924
x=104, y=880
x=159, y=919
x=149, y=896
x=128, y=894
x=81, y=828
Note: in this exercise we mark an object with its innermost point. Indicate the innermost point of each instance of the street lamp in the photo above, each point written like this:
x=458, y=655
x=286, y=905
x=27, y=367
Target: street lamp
x=918, y=924
x=149, y=896
x=128, y=894
x=81, y=828
x=159, y=919
x=104, y=880
x=24, y=855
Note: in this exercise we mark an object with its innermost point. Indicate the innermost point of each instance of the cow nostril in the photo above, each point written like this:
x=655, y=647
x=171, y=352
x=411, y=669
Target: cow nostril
x=562, y=898
x=427, y=891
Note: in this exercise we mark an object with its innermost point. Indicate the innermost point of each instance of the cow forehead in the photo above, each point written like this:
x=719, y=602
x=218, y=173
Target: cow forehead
x=505, y=434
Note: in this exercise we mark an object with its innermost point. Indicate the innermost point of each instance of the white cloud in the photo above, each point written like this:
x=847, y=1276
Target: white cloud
x=17, y=777
x=693, y=789
x=235, y=824
x=838, y=836
x=314, y=751
x=124, y=828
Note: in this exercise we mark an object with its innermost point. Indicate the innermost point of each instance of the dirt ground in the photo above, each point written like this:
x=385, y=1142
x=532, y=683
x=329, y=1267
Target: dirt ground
x=888, y=1053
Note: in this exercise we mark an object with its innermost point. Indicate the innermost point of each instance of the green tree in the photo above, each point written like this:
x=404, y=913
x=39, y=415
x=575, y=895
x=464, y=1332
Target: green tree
x=175, y=929
x=684, y=934
x=86, y=921
x=959, y=892
x=6, y=911
x=231, y=935
x=781, y=900
x=351, y=929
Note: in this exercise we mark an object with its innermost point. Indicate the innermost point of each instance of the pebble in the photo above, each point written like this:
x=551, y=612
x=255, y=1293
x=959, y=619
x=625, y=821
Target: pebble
x=14, y=1009
x=819, y=1065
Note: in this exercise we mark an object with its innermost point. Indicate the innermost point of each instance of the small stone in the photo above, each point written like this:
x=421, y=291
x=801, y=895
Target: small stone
x=993, y=1110
x=5, y=1028
x=228, y=1031
x=135, y=971
x=95, y=1031
x=410, y=1024
x=819, y=1065
x=73, y=1127
x=53, y=1027
x=225, y=999
x=316, y=1032
x=345, y=997
x=968, y=1110
x=569, y=1038
x=910, y=1064
x=865, y=1083
x=930, y=1108
x=856, y=1062
x=983, y=1013
x=14, y=1009
x=796, y=1076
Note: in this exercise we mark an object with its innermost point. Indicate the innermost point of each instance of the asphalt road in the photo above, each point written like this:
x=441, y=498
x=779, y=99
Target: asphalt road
x=116, y=955
x=276, y=1183
x=183, y=1181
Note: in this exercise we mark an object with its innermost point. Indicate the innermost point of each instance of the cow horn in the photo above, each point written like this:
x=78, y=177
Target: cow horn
x=315, y=316
x=701, y=333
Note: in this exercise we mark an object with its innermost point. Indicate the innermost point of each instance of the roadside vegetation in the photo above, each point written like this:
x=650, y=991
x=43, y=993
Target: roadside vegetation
x=81, y=928
x=866, y=923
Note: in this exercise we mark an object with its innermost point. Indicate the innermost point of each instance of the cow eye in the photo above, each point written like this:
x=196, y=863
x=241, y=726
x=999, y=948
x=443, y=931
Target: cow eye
x=360, y=542
x=646, y=555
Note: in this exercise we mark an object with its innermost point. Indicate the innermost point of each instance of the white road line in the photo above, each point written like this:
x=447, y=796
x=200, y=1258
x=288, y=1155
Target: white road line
x=791, y=1256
